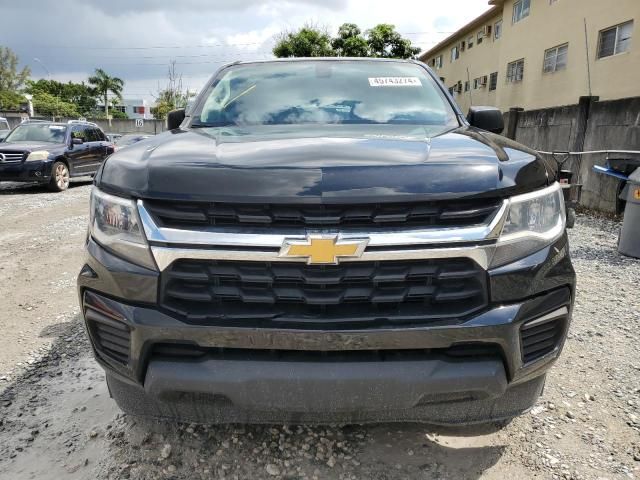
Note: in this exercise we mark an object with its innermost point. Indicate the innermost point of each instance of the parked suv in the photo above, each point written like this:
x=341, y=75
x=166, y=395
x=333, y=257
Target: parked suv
x=4, y=128
x=327, y=240
x=52, y=153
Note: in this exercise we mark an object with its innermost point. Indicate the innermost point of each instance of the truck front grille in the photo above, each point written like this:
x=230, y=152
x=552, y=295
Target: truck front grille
x=415, y=214
x=355, y=294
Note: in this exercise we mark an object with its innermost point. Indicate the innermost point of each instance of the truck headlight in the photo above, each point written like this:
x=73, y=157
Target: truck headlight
x=533, y=221
x=114, y=224
x=38, y=155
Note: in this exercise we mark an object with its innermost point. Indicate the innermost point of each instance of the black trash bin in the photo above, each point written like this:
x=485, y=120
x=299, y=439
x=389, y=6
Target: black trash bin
x=629, y=242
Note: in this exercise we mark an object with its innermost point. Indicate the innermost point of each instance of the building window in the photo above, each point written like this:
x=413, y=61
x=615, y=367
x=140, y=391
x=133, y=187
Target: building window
x=437, y=62
x=442, y=79
x=480, y=36
x=515, y=71
x=551, y=2
x=138, y=110
x=521, y=10
x=470, y=42
x=493, y=81
x=497, y=30
x=615, y=40
x=455, y=53
x=555, y=58
x=466, y=86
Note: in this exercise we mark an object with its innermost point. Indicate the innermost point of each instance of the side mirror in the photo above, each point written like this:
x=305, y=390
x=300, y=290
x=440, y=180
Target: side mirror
x=77, y=141
x=486, y=118
x=175, y=118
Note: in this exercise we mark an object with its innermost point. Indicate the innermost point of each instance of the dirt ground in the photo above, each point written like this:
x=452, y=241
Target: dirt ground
x=57, y=420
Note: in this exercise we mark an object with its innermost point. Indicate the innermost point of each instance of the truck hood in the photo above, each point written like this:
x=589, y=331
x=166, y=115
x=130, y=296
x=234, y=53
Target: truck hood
x=326, y=164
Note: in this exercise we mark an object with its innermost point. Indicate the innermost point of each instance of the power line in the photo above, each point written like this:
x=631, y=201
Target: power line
x=206, y=45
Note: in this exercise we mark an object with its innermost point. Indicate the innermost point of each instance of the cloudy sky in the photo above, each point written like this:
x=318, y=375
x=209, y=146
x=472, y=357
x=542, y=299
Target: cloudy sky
x=136, y=39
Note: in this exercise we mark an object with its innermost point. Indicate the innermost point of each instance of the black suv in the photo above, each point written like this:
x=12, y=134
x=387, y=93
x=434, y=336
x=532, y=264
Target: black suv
x=52, y=153
x=327, y=240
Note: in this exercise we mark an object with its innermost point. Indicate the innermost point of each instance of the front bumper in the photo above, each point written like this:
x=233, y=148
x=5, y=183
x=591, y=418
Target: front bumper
x=38, y=171
x=465, y=373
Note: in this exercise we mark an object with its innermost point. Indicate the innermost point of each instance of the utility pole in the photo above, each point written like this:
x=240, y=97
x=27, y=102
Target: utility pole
x=586, y=43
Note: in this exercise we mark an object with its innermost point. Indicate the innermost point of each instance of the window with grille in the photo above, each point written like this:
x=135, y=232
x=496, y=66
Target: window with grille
x=615, y=40
x=521, y=10
x=515, y=71
x=493, y=81
x=555, y=58
x=497, y=30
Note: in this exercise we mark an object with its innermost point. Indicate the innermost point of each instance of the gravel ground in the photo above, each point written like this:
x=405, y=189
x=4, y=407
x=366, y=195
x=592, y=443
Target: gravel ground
x=57, y=421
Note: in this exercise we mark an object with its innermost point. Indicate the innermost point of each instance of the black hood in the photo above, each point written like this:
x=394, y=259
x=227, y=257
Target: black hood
x=312, y=164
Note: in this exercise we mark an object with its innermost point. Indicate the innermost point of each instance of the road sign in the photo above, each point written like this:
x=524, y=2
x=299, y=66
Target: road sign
x=139, y=122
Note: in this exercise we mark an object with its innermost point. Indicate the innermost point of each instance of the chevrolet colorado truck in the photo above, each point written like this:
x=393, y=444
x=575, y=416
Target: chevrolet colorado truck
x=327, y=240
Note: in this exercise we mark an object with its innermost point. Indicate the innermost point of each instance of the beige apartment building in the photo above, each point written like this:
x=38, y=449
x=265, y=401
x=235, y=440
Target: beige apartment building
x=542, y=53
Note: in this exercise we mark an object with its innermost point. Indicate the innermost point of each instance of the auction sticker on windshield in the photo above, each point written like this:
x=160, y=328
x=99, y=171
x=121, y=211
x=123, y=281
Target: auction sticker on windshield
x=394, y=82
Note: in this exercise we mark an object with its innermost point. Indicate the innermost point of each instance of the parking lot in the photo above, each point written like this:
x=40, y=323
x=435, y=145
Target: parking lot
x=57, y=420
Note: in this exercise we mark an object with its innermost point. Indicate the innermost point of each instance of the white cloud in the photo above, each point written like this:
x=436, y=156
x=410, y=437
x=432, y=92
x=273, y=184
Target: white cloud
x=137, y=40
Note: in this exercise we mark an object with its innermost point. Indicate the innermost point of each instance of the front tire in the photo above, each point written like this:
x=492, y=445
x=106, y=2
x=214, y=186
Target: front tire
x=59, y=177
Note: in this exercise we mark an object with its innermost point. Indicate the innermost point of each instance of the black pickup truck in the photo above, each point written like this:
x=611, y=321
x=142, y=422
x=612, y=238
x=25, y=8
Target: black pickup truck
x=327, y=240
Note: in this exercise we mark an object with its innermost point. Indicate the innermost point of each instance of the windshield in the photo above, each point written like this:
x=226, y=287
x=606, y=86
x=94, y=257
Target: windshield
x=325, y=92
x=46, y=132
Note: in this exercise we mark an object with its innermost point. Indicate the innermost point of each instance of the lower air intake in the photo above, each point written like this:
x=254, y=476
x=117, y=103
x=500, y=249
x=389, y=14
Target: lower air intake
x=541, y=336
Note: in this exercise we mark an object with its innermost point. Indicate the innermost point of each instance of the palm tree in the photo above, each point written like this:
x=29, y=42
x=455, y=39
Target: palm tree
x=105, y=84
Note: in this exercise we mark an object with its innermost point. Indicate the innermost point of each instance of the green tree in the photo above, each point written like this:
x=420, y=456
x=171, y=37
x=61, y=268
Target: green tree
x=11, y=80
x=381, y=41
x=49, y=105
x=10, y=100
x=106, y=84
x=173, y=96
x=309, y=41
x=81, y=95
x=385, y=42
x=350, y=42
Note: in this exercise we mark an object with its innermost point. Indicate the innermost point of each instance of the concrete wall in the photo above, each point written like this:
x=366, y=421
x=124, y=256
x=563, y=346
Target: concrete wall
x=549, y=25
x=587, y=126
x=117, y=126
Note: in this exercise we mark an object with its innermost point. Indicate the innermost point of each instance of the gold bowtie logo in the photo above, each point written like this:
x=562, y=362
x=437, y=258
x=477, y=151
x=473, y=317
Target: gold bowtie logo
x=323, y=249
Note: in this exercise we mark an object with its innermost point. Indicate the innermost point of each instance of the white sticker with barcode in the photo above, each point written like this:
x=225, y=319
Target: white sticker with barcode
x=394, y=82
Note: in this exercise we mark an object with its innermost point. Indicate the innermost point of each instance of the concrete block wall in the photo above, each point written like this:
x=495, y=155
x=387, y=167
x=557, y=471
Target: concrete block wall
x=117, y=125
x=588, y=125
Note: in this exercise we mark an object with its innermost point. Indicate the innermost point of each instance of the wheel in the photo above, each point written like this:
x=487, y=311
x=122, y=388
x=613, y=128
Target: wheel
x=59, y=177
x=571, y=217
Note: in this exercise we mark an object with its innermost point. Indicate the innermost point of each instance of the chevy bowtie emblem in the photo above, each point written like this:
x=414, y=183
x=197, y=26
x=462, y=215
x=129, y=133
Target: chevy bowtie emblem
x=323, y=249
